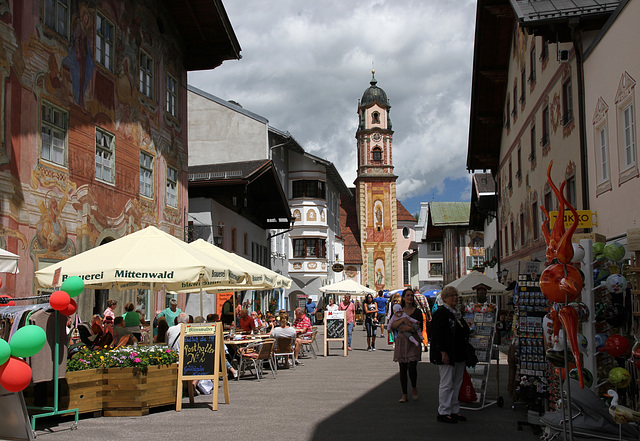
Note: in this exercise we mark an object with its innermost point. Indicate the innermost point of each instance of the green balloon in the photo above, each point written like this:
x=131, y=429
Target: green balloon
x=27, y=341
x=613, y=251
x=73, y=286
x=5, y=351
x=598, y=251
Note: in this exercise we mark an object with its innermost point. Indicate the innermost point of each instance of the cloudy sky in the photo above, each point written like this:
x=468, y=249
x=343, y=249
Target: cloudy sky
x=306, y=63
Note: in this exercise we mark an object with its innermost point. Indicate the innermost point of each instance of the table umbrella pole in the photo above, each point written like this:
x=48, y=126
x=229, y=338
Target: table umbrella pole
x=201, y=306
x=153, y=311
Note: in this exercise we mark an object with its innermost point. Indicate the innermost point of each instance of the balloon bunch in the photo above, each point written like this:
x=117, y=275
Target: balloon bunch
x=61, y=300
x=561, y=282
x=15, y=373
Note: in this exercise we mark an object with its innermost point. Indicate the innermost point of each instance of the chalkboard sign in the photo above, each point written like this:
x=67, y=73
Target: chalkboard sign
x=199, y=351
x=335, y=329
x=201, y=358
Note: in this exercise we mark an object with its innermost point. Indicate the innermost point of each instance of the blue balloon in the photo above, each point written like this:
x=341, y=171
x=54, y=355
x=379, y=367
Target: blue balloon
x=600, y=339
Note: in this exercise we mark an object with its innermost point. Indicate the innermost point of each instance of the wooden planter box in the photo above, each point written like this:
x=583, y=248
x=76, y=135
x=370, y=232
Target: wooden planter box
x=129, y=392
x=79, y=389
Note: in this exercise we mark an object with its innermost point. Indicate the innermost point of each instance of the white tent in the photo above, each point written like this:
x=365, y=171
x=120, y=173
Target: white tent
x=469, y=282
x=347, y=287
x=8, y=262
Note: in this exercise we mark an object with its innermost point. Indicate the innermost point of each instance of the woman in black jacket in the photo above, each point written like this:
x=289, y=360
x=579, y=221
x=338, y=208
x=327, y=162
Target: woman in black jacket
x=450, y=335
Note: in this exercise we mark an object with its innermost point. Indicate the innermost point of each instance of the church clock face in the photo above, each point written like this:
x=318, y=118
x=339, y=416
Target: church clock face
x=376, y=137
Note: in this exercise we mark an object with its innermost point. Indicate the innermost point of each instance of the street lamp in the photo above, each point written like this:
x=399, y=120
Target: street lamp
x=217, y=238
x=502, y=275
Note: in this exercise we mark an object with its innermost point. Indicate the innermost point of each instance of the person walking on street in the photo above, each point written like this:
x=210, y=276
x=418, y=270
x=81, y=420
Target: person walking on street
x=370, y=321
x=381, y=302
x=448, y=351
x=405, y=353
x=349, y=308
x=311, y=309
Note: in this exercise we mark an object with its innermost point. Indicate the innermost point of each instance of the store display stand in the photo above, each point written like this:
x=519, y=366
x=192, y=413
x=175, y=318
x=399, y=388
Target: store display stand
x=484, y=329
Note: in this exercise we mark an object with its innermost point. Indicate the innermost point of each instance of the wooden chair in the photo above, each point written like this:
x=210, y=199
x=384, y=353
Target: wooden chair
x=284, y=348
x=258, y=354
x=307, y=343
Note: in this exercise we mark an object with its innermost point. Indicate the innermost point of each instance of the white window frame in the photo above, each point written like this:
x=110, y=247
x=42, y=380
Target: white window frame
x=627, y=144
x=172, y=96
x=603, y=157
x=172, y=187
x=105, y=41
x=56, y=16
x=55, y=121
x=146, y=175
x=105, y=155
x=146, y=69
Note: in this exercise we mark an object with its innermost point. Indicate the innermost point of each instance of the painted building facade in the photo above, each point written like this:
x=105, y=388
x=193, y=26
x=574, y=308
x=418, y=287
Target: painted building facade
x=612, y=68
x=93, y=127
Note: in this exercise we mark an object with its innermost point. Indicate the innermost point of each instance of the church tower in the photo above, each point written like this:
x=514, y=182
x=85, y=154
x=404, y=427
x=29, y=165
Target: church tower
x=376, y=190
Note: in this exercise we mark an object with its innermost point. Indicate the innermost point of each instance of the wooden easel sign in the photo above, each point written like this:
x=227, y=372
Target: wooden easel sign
x=335, y=330
x=202, y=358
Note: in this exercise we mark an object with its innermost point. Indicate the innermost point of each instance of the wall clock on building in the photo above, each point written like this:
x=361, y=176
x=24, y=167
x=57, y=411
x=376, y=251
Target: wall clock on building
x=376, y=137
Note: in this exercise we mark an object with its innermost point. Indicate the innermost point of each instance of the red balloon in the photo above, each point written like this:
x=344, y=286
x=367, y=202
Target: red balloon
x=558, y=288
x=616, y=345
x=11, y=303
x=15, y=374
x=70, y=309
x=59, y=300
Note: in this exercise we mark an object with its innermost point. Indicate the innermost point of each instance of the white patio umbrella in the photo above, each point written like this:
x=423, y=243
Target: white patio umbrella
x=143, y=259
x=469, y=282
x=347, y=287
x=260, y=277
x=8, y=262
x=140, y=260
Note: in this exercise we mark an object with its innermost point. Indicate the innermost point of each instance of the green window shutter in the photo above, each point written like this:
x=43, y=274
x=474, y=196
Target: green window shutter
x=469, y=262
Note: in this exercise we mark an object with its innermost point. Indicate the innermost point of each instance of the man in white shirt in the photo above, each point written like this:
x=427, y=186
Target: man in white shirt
x=284, y=330
x=173, y=333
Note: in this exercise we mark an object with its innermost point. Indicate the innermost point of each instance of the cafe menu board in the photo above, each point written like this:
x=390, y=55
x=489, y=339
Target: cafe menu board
x=335, y=329
x=202, y=358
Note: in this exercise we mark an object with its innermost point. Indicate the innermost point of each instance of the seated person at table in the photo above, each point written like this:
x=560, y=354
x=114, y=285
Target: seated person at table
x=173, y=333
x=161, y=336
x=284, y=330
x=270, y=323
x=257, y=321
x=213, y=318
x=119, y=331
x=132, y=320
x=246, y=323
x=301, y=323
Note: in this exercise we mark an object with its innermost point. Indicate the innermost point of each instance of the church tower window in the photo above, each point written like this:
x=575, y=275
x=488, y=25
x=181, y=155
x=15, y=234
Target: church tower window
x=377, y=154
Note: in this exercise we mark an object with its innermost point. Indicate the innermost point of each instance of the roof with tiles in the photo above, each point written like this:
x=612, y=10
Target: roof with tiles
x=403, y=214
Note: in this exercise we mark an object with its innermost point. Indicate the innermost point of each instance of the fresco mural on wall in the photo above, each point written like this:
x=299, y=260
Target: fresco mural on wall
x=53, y=209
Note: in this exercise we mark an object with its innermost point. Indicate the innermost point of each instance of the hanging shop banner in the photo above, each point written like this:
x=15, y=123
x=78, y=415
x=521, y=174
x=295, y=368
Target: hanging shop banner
x=585, y=218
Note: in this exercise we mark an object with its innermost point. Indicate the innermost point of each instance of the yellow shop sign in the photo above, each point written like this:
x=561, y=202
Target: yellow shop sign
x=585, y=218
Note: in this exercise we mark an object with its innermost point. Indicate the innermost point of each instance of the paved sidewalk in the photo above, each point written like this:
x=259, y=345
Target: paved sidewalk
x=332, y=398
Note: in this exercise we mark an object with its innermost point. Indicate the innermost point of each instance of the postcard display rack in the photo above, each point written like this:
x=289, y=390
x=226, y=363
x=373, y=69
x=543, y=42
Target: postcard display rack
x=483, y=329
x=532, y=368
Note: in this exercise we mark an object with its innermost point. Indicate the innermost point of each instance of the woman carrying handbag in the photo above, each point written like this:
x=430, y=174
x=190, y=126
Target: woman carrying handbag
x=449, y=341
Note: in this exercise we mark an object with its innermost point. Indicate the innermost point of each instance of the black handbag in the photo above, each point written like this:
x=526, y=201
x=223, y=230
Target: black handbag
x=470, y=359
